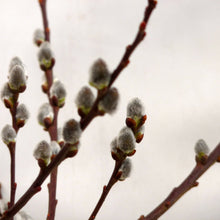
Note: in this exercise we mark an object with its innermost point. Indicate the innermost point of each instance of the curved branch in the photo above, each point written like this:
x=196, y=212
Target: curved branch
x=186, y=185
x=122, y=64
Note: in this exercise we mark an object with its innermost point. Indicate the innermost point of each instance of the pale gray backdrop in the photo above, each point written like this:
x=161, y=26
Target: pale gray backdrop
x=176, y=73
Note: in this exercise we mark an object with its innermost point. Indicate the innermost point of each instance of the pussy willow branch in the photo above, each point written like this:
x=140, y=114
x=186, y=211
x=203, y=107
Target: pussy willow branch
x=35, y=187
x=106, y=189
x=122, y=64
x=12, y=150
x=52, y=186
x=186, y=185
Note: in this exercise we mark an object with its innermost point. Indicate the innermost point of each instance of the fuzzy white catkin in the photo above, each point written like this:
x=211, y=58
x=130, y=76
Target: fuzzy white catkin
x=114, y=145
x=22, y=112
x=6, y=92
x=71, y=131
x=201, y=148
x=110, y=101
x=45, y=54
x=55, y=147
x=16, y=77
x=42, y=151
x=99, y=74
x=125, y=169
x=15, y=61
x=38, y=36
x=58, y=90
x=45, y=111
x=8, y=134
x=135, y=108
x=85, y=98
x=126, y=140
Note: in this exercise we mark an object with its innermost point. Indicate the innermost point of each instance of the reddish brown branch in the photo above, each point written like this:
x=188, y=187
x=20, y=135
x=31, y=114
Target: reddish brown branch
x=186, y=185
x=53, y=128
x=52, y=194
x=139, y=37
x=12, y=150
x=36, y=185
x=106, y=189
x=43, y=8
x=123, y=63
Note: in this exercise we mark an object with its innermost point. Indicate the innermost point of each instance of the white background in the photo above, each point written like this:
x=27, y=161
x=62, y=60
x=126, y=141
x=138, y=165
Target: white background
x=176, y=73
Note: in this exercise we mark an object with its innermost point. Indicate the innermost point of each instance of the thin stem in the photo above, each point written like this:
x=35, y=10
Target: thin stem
x=52, y=186
x=122, y=64
x=106, y=189
x=36, y=185
x=53, y=128
x=12, y=150
x=13, y=183
x=45, y=20
x=186, y=185
x=52, y=194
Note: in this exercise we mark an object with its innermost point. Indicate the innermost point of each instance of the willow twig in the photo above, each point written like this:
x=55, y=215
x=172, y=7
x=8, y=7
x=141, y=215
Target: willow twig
x=189, y=183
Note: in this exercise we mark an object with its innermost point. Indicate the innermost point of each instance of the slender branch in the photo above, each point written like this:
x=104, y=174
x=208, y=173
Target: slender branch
x=186, y=185
x=36, y=185
x=139, y=37
x=53, y=128
x=106, y=189
x=42, y=4
x=13, y=183
x=12, y=150
x=122, y=64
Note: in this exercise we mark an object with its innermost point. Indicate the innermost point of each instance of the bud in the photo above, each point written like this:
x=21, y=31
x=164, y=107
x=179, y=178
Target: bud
x=45, y=115
x=44, y=84
x=99, y=75
x=201, y=149
x=45, y=56
x=60, y=136
x=7, y=96
x=116, y=153
x=8, y=134
x=125, y=169
x=17, y=79
x=71, y=131
x=55, y=147
x=22, y=115
x=15, y=61
x=42, y=153
x=126, y=141
x=58, y=93
x=109, y=102
x=38, y=37
x=85, y=99
x=139, y=134
x=135, y=110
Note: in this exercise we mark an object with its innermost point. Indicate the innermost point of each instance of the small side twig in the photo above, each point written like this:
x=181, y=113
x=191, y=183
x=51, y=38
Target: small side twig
x=186, y=185
x=36, y=185
x=106, y=189
x=122, y=64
